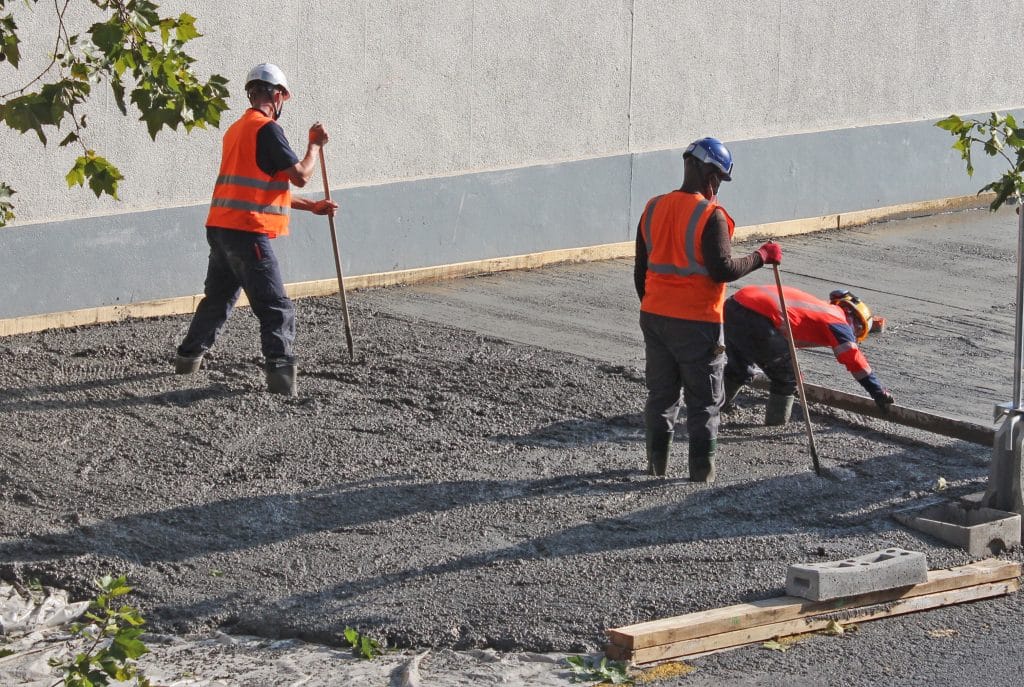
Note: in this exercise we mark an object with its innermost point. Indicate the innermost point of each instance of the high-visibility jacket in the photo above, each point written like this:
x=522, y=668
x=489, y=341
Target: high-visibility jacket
x=814, y=323
x=677, y=283
x=245, y=197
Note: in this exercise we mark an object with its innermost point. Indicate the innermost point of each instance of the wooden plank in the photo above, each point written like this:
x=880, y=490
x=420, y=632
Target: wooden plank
x=684, y=649
x=785, y=608
x=900, y=415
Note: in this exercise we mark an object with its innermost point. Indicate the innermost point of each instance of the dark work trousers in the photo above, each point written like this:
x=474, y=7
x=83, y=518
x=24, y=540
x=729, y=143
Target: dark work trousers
x=243, y=260
x=685, y=360
x=751, y=342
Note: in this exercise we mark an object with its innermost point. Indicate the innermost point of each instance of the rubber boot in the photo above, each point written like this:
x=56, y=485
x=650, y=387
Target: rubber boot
x=778, y=410
x=702, y=460
x=657, y=453
x=281, y=379
x=185, y=365
x=732, y=390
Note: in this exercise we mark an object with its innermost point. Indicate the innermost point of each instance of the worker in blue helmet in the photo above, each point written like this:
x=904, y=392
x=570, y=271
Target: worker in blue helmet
x=683, y=261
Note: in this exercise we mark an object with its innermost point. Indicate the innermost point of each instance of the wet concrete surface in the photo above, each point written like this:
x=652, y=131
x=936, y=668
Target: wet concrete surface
x=474, y=479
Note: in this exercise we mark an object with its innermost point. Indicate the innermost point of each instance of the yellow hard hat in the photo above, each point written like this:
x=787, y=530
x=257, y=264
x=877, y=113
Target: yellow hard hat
x=858, y=314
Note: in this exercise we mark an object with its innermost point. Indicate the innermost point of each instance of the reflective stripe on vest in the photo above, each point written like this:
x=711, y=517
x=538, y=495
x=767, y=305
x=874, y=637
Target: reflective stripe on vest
x=245, y=197
x=235, y=180
x=249, y=206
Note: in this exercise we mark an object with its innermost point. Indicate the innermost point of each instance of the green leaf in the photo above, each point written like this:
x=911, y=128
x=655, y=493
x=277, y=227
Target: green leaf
x=102, y=177
x=107, y=36
x=69, y=139
x=187, y=28
x=9, y=41
x=127, y=642
x=951, y=123
x=76, y=175
x=351, y=636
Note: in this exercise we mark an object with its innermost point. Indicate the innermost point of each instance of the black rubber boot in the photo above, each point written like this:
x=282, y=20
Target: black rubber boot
x=702, y=460
x=732, y=390
x=185, y=365
x=778, y=410
x=657, y=453
x=281, y=379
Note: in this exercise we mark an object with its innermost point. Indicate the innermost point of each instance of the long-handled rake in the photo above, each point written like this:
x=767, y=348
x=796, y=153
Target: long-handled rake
x=337, y=260
x=796, y=371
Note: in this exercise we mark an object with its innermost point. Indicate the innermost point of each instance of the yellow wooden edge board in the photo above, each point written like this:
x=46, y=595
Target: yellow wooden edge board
x=325, y=287
x=700, y=645
x=784, y=608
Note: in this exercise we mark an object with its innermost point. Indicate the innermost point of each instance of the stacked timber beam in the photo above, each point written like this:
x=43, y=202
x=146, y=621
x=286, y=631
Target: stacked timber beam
x=704, y=632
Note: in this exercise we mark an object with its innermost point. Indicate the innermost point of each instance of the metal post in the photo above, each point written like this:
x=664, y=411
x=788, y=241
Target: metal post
x=1018, y=331
x=1006, y=469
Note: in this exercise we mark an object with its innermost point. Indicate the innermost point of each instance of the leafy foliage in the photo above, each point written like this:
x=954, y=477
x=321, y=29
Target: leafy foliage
x=998, y=136
x=586, y=670
x=6, y=207
x=112, y=638
x=139, y=54
x=362, y=645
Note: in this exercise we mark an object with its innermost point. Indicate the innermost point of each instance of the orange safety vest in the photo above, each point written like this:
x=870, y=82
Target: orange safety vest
x=677, y=282
x=245, y=197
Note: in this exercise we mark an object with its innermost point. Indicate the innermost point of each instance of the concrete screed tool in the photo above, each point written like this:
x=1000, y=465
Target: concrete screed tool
x=337, y=259
x=796, y=371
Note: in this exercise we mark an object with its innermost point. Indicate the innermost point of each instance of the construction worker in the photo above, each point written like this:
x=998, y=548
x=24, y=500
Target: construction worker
x=683, y=260
x=250, y=206
x=755, y=336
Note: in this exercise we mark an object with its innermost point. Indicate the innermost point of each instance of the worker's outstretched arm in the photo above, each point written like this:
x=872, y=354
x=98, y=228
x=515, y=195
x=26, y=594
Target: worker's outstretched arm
x=716, y=245
x=849, y=354
x=317, y=207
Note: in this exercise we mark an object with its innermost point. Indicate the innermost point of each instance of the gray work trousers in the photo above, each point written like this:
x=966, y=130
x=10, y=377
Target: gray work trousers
x=685, y=361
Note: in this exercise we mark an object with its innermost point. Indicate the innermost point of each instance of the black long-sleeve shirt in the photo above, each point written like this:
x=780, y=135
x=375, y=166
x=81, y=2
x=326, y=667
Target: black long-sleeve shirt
x=716, y=247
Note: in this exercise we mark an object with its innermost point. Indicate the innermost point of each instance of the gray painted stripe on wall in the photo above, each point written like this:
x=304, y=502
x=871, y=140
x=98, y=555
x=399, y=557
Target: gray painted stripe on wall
x=828, y=172
x=135, y=257
x=143, y=256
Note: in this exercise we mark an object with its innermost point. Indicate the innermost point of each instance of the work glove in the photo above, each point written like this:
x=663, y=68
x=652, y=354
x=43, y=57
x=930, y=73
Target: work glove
x=318, y=134
x=883, y=399
x=324, y=207
x=771, y=253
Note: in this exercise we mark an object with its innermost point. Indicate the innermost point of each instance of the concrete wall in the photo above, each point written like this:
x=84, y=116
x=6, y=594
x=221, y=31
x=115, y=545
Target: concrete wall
x=470, y=129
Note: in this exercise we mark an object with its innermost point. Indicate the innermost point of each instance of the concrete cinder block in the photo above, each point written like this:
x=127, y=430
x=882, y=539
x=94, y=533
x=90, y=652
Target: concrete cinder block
x=978, y=530
x=887, y=569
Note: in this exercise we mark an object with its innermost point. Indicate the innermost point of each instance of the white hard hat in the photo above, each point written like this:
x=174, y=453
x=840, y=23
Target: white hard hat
x=271, y=74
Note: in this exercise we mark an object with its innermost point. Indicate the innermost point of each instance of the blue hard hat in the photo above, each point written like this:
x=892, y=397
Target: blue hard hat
x=713, y=152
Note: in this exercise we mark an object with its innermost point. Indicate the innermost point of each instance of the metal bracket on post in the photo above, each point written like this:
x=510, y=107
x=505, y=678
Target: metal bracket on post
x=1012, y=414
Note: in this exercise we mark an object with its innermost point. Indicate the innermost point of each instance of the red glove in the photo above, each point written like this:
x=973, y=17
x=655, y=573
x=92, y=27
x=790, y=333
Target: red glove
x=771, y=253
x=318, y=134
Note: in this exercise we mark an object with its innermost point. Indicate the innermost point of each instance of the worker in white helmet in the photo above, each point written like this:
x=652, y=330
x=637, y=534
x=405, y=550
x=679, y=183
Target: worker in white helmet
x=251, y=203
